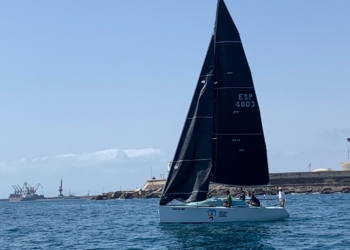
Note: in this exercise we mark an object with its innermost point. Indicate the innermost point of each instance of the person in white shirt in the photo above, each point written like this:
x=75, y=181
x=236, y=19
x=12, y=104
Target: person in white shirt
x=281, y=197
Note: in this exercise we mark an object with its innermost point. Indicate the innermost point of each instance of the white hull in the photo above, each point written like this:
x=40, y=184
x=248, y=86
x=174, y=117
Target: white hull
x=205, y=214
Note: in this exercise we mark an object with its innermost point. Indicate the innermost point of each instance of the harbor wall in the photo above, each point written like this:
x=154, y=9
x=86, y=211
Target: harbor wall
x=336, y=178
x=294, y=182
x=325, y=178
x=154, y=184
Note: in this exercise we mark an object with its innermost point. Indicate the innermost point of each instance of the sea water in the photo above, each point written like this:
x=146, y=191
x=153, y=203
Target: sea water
x=316, y=222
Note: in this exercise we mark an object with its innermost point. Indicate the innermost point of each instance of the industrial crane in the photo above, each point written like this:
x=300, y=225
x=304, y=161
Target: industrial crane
x=29, y=189
x=17, y=189
x=60, y=189
x=37, y=186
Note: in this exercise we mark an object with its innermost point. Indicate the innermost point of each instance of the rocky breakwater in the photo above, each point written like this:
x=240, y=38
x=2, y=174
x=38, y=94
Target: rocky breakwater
x=293, y=183
x=132, y=194
x=219, y=191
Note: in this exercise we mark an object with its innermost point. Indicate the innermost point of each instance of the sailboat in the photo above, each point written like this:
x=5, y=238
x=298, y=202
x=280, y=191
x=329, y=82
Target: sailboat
x=222, y=140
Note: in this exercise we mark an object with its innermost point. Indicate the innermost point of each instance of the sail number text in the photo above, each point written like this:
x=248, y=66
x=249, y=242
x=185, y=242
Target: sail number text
x=244, y=101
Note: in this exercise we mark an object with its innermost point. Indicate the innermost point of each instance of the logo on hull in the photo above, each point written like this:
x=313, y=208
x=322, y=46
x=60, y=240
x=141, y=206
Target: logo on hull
x=211, y=213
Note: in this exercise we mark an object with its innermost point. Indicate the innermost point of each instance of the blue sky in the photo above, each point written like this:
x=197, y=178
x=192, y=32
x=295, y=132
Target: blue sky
x=96, y=92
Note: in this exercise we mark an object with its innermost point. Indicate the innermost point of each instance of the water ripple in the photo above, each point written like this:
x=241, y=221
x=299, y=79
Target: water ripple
x=316, y=222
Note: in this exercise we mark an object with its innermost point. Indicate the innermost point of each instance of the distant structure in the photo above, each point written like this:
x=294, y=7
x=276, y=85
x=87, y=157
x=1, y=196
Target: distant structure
x=60, y=189
x=345, y=166
x=154, y=184
x=25, y=193
x=321, y=170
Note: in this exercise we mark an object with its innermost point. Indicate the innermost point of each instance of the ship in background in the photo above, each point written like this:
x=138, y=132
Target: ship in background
x=25, y=193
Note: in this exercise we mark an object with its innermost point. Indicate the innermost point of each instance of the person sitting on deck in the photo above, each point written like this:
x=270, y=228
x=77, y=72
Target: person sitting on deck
x=242, y=195
x=253, y=200
x=228, y=201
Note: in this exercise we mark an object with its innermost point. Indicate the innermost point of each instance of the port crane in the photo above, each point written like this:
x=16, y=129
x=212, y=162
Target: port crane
x=29, y=189
x=18, y=190
x=60, y=189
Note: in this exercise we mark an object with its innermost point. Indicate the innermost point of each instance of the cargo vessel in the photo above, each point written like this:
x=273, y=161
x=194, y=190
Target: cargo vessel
x=25, y=193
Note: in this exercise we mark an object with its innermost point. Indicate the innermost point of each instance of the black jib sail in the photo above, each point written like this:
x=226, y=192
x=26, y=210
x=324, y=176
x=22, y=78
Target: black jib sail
x=188, y=178
x=222, y=139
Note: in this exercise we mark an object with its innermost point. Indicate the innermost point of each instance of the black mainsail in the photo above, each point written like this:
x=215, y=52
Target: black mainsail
x=239, y=150
x=222, y=139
